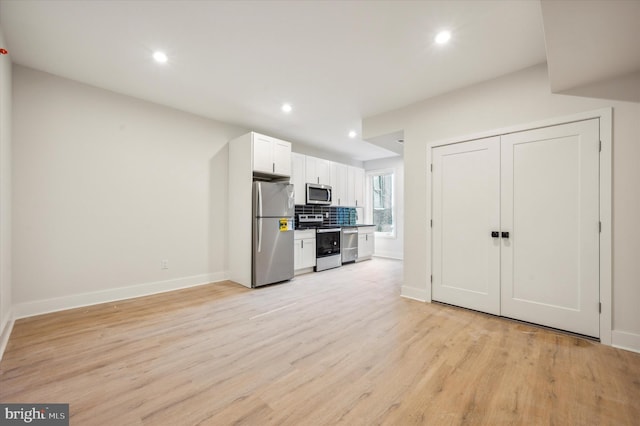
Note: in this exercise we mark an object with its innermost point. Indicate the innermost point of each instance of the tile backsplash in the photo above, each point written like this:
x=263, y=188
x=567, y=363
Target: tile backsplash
x=337, y=215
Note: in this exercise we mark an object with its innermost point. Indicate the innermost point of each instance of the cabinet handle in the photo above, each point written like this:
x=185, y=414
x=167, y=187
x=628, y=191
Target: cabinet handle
x=505, y=235
x=273, y=168
x=318, y=178
x=495, y=234
x=301, y=243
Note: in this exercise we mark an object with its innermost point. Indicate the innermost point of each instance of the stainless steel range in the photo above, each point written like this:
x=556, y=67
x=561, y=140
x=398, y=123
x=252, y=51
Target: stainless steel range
x=328, y=249
x=327, y=241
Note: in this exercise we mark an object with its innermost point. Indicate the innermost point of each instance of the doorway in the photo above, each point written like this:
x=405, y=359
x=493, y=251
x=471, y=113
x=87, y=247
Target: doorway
x=516, y=225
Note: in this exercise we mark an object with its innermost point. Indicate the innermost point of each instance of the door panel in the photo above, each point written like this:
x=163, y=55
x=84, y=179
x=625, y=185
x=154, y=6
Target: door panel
x=282, y=157
x=550, y=207
x=466, y=208
x=273, y=252
x=262, y=153
x=273, y=199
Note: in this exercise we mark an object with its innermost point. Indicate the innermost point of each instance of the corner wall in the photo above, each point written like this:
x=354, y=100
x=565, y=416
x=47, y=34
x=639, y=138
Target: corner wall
x=5, y=197
x=521, y=98
x=106, y=187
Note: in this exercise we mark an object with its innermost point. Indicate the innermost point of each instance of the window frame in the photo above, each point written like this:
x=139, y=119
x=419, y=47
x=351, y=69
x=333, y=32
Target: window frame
x=369, y=210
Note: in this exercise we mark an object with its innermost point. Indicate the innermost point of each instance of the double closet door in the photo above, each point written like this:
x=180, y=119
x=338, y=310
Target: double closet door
x=516, y=226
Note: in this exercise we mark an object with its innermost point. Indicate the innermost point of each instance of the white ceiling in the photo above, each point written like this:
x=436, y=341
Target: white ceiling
x=336, y=62
x=593, y=42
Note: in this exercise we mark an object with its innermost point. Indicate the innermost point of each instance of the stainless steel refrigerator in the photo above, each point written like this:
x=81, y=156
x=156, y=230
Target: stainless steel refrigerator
x=273, y=210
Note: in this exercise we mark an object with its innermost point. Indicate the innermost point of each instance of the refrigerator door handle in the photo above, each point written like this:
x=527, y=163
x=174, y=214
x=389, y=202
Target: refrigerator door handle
x=259, y=199
x=259, y=217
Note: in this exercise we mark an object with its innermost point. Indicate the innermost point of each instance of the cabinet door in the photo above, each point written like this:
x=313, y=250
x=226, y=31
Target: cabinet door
x=358, y=188
x=298, y=256
x=362, y=246
x=281, y=158
x=318, y=171
x=310, y=173
x=371, y=243
x=262, y=154
x=298, y=177
x=323, y=170
x=339, y=183
x=355, y=187
x=309, y=253
x=366, y=242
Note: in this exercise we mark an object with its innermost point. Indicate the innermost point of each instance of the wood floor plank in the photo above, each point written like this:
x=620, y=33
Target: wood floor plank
x=337, y=347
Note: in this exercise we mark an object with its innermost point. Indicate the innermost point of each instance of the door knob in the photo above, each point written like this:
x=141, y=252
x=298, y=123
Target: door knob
x=505, y=235
x=495, y=234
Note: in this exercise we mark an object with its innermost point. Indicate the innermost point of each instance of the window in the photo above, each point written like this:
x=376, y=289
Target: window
x=382, y=211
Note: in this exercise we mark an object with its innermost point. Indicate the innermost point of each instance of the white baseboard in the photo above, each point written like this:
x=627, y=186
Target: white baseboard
x=625, y=340
x=389, y=255
x=5, y=332
x=414, y=293
x=39, y=307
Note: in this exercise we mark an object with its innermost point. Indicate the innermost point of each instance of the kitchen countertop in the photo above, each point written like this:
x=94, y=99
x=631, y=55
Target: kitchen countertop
x=360, y=225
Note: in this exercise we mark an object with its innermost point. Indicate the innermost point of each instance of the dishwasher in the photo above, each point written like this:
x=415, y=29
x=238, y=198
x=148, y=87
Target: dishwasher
x=349, y=244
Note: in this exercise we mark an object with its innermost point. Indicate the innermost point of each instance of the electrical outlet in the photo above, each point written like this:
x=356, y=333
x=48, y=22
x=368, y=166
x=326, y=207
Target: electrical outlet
x=164, y=264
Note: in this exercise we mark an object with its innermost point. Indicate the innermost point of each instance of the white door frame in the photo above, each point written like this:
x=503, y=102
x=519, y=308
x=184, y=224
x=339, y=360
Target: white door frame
x=605, y=116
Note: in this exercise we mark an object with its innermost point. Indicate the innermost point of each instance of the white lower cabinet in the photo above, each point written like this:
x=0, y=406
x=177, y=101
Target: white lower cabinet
x=304, y=253
x=366, y=242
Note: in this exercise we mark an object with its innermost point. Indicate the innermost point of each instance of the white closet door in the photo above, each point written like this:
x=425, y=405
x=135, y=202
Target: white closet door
x=466, y=209
x=550, y=207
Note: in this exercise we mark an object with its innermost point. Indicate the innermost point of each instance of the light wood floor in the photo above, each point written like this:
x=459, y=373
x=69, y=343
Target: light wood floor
x=337, y=347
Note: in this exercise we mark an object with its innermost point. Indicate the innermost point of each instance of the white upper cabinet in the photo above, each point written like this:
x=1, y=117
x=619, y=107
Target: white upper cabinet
x=298, y=177
x=358, y=187
x=262, y=153
x=271, y=156
x=318, y=170
x=282, y=158
x=355, y=187
x=346, y=181
x=339, y=184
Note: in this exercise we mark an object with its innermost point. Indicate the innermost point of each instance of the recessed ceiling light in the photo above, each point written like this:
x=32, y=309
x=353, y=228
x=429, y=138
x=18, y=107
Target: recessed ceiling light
x=443, y=37
x=286, y=108
x=352, y=134
x=160, y=57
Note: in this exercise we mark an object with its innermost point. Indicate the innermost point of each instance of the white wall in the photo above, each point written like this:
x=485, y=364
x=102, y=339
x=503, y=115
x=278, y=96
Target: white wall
x=521, y=98
x=105, y=187
x=390, y=246
x=5, y=195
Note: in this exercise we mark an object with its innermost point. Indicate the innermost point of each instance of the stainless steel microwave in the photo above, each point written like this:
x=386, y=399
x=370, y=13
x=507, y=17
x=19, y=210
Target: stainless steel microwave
x=318, y=194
